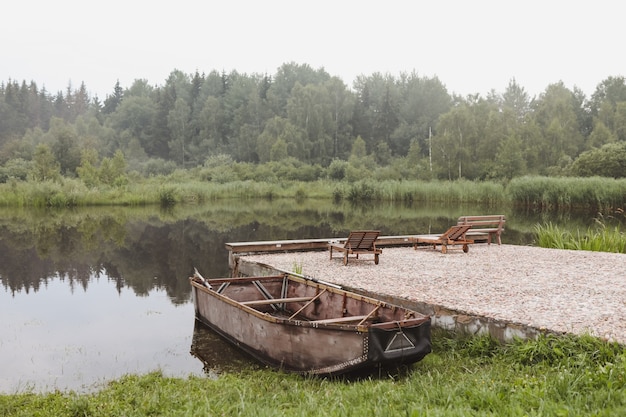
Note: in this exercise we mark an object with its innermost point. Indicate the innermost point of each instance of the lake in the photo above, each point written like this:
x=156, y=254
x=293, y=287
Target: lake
x=89, y=295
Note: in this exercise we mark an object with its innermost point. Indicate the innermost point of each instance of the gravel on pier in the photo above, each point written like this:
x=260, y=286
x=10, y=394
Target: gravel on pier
x=569, y=291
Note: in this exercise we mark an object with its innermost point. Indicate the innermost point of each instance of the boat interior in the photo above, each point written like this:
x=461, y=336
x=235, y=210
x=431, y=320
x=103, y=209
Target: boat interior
x=290, y=297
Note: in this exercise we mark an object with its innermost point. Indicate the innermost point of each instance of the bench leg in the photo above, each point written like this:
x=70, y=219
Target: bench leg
x=376, y=258
x=465, y=247
x=444, y=248
x=331, y=253
x=345, y=258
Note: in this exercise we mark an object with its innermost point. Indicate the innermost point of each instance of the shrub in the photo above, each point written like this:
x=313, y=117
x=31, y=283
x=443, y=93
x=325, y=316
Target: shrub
x=155, y=167
x=337, y=169
x=167, y=197
x=15, y=169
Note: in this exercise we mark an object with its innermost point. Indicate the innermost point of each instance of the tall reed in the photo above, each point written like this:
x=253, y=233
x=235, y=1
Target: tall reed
x=595, y=193
x=600, y=239
x=544, y=193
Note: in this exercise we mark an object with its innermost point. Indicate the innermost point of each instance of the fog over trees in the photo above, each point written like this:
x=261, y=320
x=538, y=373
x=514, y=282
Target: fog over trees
x=401, y=126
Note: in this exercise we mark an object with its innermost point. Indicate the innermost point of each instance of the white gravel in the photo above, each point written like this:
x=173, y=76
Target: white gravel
x=561, y=290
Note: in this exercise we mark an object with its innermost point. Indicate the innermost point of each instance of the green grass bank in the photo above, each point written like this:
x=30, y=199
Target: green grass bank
x=543, y=193
x=555, y=376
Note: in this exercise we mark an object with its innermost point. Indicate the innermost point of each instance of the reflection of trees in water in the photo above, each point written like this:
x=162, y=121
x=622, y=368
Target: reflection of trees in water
x=140, y=253
x=22, y=268
x=147, y=248
x=149, y=256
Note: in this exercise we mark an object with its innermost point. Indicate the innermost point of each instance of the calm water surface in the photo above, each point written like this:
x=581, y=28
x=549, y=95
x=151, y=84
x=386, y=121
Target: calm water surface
x=65, y=336
x=88, y=296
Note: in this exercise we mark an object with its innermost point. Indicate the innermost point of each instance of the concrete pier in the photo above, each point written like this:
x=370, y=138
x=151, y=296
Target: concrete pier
x=505, y=291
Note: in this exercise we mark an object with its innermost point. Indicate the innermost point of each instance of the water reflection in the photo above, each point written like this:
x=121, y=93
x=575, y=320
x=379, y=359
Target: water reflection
x=75, y=338
x=216, y=354
x=91, y=294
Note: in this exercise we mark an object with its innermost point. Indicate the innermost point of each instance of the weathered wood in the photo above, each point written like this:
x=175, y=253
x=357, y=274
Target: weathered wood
x=277, y=245
x=489, y=225
x=309, y=244
x=307, y=304
x=340, y=319
x=242, y=248
x=359, y=242
x=370, y=314
x=330, y=337
x=455, y=235
x=277, y=301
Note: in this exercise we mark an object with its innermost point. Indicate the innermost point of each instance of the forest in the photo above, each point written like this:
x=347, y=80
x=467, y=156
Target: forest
x=311, y=125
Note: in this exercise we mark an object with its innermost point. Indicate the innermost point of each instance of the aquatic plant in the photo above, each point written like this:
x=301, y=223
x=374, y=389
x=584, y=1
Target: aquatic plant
x=602, y=238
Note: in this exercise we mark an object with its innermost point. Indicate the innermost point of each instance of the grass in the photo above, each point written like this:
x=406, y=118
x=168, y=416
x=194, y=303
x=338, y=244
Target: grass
x=544, y=193
x=476, y=376
x=297, y=267
x=568, y=376
x=602, y=238
x=565, y=193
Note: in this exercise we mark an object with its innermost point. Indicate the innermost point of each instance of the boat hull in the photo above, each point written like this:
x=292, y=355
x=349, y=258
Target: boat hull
x=313, y=346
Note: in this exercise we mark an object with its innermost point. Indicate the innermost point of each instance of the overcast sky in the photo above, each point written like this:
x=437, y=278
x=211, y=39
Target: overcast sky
x=472, y=46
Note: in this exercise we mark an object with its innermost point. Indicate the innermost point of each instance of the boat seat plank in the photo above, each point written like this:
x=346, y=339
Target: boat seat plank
x=340, y=319
x=276, y=301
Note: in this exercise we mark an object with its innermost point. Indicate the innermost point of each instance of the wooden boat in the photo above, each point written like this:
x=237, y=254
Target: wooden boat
x=308, y=326
x=216, y=353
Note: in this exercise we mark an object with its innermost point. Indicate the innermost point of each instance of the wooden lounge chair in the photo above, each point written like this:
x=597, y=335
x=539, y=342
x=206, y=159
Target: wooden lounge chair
x=453, y=236
x=359, y=242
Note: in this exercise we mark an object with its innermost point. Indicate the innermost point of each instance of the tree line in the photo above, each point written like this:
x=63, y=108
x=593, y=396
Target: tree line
x=402, y=126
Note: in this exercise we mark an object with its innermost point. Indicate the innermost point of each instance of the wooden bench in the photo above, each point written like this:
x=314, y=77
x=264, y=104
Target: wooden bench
x=491, y=225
